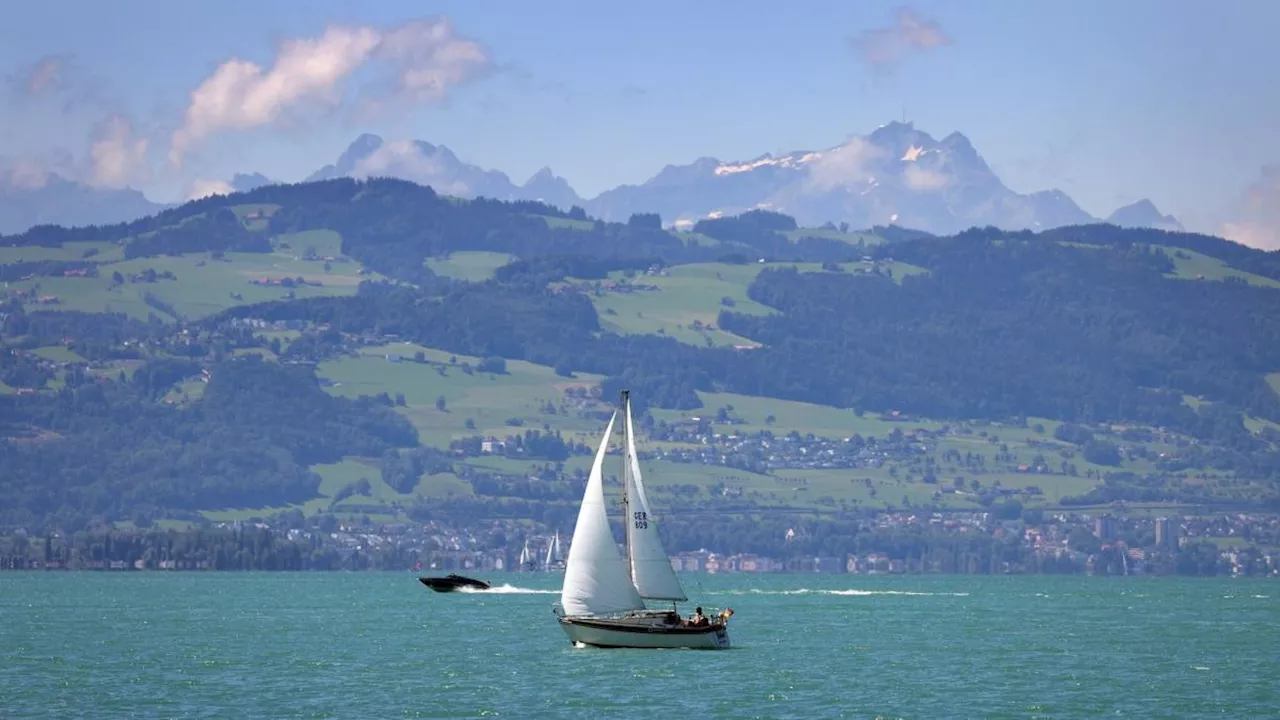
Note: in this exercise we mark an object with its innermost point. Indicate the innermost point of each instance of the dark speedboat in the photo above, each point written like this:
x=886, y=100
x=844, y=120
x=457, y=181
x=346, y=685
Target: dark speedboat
x=452, y=582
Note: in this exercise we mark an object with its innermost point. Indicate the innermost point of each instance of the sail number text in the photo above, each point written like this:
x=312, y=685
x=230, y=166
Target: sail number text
x=641, y=520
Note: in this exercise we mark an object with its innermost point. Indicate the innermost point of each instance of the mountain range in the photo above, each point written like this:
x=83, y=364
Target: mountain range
x=56, y=201
x=896, y=175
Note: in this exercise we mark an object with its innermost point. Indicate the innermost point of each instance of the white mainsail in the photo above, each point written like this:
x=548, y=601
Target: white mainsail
x=595, y=576
x=650, y=566
x=553, y=550
x=524, y=555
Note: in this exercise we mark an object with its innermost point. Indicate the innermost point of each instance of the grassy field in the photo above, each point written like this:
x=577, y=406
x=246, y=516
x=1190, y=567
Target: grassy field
x=696, y=293
x=58, y=353
x=686, y=295
x=853, y=238
x=106, y=252
x=469, y=266
x=202, y=285
x=788, y=415
x=336, y=476
x=1191, y=265
x=321, y=243
x=489, y=401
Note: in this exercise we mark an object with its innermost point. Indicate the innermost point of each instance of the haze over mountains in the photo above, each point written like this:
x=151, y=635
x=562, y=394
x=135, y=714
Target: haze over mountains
x=896, y=175
x=56, y=201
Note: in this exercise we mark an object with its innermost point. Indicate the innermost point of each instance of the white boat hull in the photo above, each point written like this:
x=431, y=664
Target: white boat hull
x=642, y=632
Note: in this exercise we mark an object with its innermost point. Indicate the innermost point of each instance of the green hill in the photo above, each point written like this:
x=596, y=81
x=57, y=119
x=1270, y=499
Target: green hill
x=474, y=349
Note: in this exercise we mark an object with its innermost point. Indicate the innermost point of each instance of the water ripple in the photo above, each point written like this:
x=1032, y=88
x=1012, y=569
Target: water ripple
x=381, y=646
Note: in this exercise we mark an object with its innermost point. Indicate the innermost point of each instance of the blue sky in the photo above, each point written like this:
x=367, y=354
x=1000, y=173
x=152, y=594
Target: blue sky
x=1111, y=102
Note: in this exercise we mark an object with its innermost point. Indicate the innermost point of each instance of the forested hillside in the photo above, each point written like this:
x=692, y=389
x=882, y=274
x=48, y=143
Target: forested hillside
x=219, y=355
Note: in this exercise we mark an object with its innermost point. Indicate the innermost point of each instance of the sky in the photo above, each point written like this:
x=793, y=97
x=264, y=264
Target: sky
x=1171, y=100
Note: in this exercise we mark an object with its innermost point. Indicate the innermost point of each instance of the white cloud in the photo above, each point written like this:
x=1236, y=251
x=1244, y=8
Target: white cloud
x=204, y=188
x=426, y=56
x=883, y=48
x=845, y=165
x=406, y=159
x=1256, y=220
x=117, y=157
x=431, y=57
x=918, y=178
x=241, y=94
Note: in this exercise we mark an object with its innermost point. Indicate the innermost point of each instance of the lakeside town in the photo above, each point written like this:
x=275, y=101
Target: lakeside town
x=1225, y=544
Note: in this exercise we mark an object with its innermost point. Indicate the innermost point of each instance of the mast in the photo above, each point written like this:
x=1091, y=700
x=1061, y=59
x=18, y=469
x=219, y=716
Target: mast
x=626, y=483
x=648, y=561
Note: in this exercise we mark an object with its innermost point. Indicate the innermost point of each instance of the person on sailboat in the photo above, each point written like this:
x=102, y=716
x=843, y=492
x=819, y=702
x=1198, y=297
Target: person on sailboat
x=698, y=618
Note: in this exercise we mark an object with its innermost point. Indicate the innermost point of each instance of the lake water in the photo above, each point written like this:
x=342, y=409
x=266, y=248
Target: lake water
x=379, y=645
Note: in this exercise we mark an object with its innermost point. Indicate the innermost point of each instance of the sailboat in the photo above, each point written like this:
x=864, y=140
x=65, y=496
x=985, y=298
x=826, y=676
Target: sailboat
x=602, y=602
x=553, y=554
x=526, y=558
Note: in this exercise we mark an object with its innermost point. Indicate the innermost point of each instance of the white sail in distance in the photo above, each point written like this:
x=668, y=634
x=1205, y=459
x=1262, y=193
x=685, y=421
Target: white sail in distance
x=595, y=575
x=552, y=549
x=650, y=566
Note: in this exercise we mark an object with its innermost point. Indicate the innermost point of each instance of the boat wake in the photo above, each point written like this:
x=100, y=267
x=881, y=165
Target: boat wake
x=853, y=593
x=506, y=589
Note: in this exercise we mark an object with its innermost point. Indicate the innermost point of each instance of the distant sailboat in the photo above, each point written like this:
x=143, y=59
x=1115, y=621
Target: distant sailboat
x=526, y=558
x=553, y=554
x=602, y=602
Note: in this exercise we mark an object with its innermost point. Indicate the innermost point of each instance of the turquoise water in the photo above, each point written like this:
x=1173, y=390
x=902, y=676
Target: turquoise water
x=379, y=645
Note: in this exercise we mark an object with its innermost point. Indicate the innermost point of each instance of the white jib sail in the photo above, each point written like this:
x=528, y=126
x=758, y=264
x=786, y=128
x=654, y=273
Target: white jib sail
x=650, y=567
x=595, y=576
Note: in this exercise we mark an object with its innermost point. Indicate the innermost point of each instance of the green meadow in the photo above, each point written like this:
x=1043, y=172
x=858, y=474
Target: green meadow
x=469, y=266
x=1191, y=265
x=495, y=404
x=686, y=301
x=202, y=285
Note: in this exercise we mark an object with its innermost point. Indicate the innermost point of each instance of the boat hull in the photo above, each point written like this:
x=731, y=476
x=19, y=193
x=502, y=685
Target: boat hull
x=453, y=583
x=643, y=632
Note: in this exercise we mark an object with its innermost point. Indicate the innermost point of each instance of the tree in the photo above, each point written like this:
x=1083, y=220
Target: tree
x=1100, y=452
x=649, y=221
x=1073, y=433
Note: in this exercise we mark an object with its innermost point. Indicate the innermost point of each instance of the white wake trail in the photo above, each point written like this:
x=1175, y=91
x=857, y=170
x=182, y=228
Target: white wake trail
x=854, y=593
x=506, y=589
